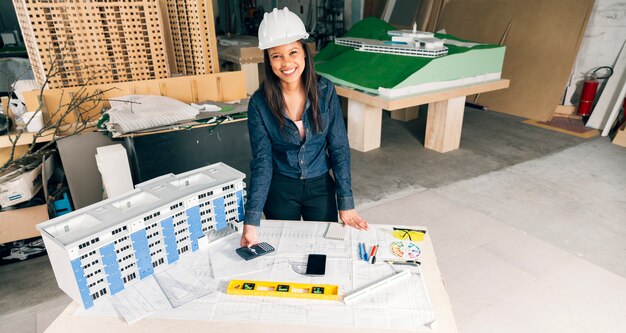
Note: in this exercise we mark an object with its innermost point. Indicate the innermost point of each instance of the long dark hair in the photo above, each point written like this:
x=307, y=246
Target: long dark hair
x=274, y=95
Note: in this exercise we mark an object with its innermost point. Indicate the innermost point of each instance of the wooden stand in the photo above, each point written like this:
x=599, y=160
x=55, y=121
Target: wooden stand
x=243, y=51
x=407, y=114
x=364, y=124
x=251, y=71
x=620, y=137
x=444, y=122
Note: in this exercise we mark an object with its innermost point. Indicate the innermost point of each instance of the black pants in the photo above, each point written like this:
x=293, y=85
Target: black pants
x=310, y=199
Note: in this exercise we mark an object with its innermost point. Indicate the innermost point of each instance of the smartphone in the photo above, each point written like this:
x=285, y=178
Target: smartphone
x=316, y=265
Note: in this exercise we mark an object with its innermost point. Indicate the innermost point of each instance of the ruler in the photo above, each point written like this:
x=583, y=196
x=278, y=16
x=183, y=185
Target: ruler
x=283, y=289
x=349, y=299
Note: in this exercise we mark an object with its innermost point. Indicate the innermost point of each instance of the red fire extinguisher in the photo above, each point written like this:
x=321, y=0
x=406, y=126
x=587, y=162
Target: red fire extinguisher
x=590, y=87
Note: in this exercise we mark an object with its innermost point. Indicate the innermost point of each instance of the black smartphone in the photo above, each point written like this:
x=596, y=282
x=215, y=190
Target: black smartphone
x=316, y=265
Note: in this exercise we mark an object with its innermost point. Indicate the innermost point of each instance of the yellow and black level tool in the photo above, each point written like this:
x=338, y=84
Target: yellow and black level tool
x=283, y=289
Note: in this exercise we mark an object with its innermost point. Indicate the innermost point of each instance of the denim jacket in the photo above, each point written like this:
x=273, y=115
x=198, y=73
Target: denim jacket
x=284, y=152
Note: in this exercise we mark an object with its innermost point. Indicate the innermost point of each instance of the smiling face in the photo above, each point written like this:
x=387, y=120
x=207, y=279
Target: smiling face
x=288, y=62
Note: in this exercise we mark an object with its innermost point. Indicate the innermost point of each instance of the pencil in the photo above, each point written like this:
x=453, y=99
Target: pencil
x=404, y=262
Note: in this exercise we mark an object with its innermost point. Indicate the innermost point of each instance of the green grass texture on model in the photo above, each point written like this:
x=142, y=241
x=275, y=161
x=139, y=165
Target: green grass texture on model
x=370, y=71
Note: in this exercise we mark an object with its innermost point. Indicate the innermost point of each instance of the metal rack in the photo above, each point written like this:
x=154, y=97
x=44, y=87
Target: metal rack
x=330, y=21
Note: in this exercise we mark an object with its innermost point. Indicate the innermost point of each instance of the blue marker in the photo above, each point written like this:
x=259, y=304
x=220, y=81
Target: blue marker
x=360, y=250
x=366, y=258
x=363, y=251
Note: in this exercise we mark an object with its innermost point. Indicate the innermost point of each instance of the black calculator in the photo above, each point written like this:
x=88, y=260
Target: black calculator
x=256, y=250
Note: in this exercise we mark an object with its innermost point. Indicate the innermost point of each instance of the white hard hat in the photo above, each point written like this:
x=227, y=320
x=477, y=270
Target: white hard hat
x=280, y=27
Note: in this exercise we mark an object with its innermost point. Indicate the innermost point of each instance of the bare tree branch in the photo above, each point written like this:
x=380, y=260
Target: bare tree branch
x=70, y=118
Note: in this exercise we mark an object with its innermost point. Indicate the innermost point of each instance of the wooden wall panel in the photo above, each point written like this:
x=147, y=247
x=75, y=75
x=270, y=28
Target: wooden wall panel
x=541, y=47
x=227, y=86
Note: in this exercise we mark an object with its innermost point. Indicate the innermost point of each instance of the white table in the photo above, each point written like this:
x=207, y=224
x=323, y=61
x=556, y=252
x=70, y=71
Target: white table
x=66, y=322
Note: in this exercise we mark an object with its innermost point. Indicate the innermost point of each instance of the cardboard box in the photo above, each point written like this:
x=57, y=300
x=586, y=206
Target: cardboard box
x=20, y=223
x=620, y=137
x=17, y=187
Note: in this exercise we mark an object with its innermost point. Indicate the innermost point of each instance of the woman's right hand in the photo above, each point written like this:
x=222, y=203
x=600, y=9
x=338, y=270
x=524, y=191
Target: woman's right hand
x=351, y=218
x=248, y=238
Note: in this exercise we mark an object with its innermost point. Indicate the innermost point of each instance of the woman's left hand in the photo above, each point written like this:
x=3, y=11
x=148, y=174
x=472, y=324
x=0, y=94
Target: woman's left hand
x=352, y=218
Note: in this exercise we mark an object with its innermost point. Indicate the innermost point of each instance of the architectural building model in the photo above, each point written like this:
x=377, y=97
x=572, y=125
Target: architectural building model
x=120, y=40
x=193, y=41
x=403, y=42
x=103, y=248
x=461, y=62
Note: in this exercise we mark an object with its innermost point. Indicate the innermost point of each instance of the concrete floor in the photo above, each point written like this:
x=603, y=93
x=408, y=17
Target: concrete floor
x=490, y=141
x=509, y=186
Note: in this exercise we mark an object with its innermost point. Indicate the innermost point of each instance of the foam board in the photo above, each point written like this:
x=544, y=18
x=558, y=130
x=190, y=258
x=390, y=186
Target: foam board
x=20, y=223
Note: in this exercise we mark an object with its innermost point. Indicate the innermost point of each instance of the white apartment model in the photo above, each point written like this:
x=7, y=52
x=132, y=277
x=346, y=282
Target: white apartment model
x=103, y=248
x=403, y=42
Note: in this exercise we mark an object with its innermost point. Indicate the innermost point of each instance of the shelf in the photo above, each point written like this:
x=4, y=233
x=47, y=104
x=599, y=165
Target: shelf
x=25, y=139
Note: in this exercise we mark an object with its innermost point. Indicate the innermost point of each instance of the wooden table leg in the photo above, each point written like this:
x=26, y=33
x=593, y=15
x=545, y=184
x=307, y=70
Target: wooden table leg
x=444, y=123
x=364, y=126
x=406, y=114
x=251, y=72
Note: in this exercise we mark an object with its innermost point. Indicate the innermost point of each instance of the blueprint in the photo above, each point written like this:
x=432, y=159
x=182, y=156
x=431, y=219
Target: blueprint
x=164, y=291
x=132, y=303
x=181, y=287
x=402, y=305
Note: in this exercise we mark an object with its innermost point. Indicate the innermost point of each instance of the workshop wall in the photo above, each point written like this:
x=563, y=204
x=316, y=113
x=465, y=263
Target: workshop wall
x=542, y=42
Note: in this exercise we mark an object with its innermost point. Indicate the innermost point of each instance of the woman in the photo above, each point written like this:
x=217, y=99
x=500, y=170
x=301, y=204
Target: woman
x=297, y=135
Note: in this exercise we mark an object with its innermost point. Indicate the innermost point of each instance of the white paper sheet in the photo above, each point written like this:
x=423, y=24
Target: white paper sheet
x=138, y=112
x=180, y=286
x=140, y=300
x=157, y=294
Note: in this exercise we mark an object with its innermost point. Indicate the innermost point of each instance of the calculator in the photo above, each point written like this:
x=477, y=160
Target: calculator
x=256, y=250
